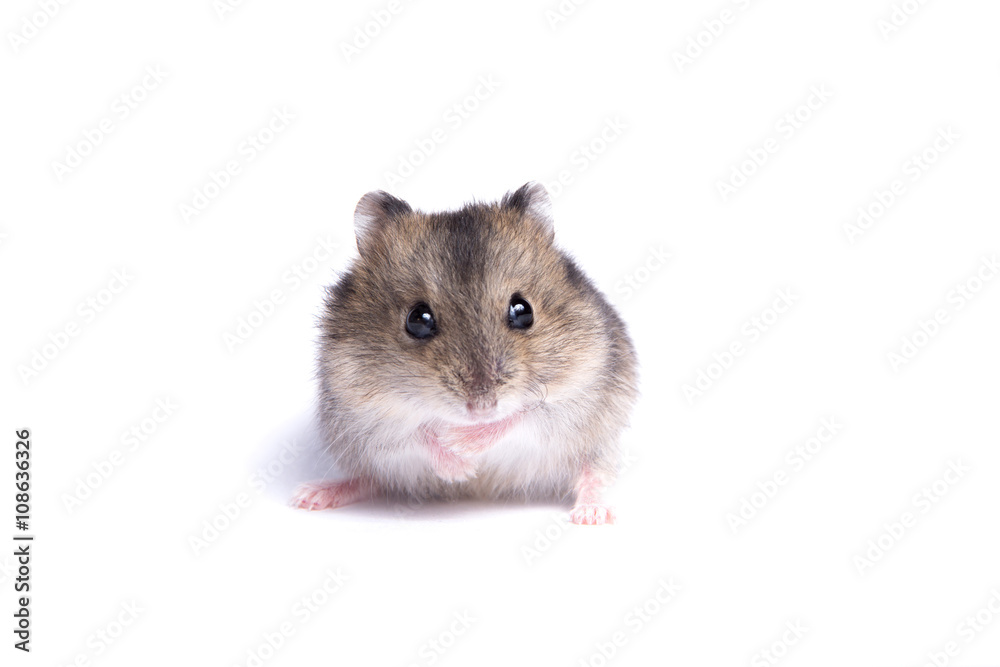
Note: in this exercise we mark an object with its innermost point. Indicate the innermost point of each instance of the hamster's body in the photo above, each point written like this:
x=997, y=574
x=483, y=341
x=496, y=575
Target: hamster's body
x=464, y=355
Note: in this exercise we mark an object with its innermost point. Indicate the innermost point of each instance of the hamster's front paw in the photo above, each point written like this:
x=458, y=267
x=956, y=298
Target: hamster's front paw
x=592, y=514
x=453, y=468
x=457, y=443
x=449, y=465
x=475, y=439
x=326, y=494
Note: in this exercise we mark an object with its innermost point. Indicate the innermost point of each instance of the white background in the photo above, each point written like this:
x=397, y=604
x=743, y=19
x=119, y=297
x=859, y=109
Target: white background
x=538, y=591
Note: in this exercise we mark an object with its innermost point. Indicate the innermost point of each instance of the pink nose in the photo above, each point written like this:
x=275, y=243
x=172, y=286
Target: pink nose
x=481, y=410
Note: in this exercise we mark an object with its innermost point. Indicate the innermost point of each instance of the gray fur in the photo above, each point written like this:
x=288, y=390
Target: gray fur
x=572, y=373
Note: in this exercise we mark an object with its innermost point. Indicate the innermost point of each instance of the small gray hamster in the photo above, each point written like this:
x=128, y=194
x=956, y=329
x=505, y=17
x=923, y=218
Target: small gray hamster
x=462, y=354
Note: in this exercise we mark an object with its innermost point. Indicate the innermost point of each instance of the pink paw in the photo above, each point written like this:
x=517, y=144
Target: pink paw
x=326, y=495
x=453, y=468
x=475, y=439
x=447, y=464
x=592, y=514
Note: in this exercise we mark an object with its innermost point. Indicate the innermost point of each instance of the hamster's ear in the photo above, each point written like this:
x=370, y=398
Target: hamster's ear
x=373, y=213
x=533, y=202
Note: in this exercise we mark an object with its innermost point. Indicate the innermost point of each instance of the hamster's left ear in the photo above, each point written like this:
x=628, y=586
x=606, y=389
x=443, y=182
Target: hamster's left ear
x=533, y=202
x=373, y=214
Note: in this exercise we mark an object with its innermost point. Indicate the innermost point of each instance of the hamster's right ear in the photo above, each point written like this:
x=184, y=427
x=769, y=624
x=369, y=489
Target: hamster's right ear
x=373, y=213
x=533, y=202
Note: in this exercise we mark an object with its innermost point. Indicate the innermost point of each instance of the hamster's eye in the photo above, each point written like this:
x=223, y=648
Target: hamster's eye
x=519, y=313
x=420, y=321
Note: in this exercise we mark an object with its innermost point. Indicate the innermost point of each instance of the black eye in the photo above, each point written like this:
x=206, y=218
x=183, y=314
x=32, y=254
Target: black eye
x=420, y=321
x=519, y=313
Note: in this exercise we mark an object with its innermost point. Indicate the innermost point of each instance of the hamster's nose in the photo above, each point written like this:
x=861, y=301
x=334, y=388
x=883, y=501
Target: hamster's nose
x=481, y=409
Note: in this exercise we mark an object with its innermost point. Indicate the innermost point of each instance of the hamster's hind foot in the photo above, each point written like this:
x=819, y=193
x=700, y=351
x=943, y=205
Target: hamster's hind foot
x=589, y=509
x=327, y=494
x=592, y=514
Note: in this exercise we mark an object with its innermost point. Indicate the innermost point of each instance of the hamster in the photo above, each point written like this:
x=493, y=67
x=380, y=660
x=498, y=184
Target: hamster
x=463, y=355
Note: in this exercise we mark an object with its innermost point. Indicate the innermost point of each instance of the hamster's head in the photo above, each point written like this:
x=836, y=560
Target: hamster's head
x=466, y=317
